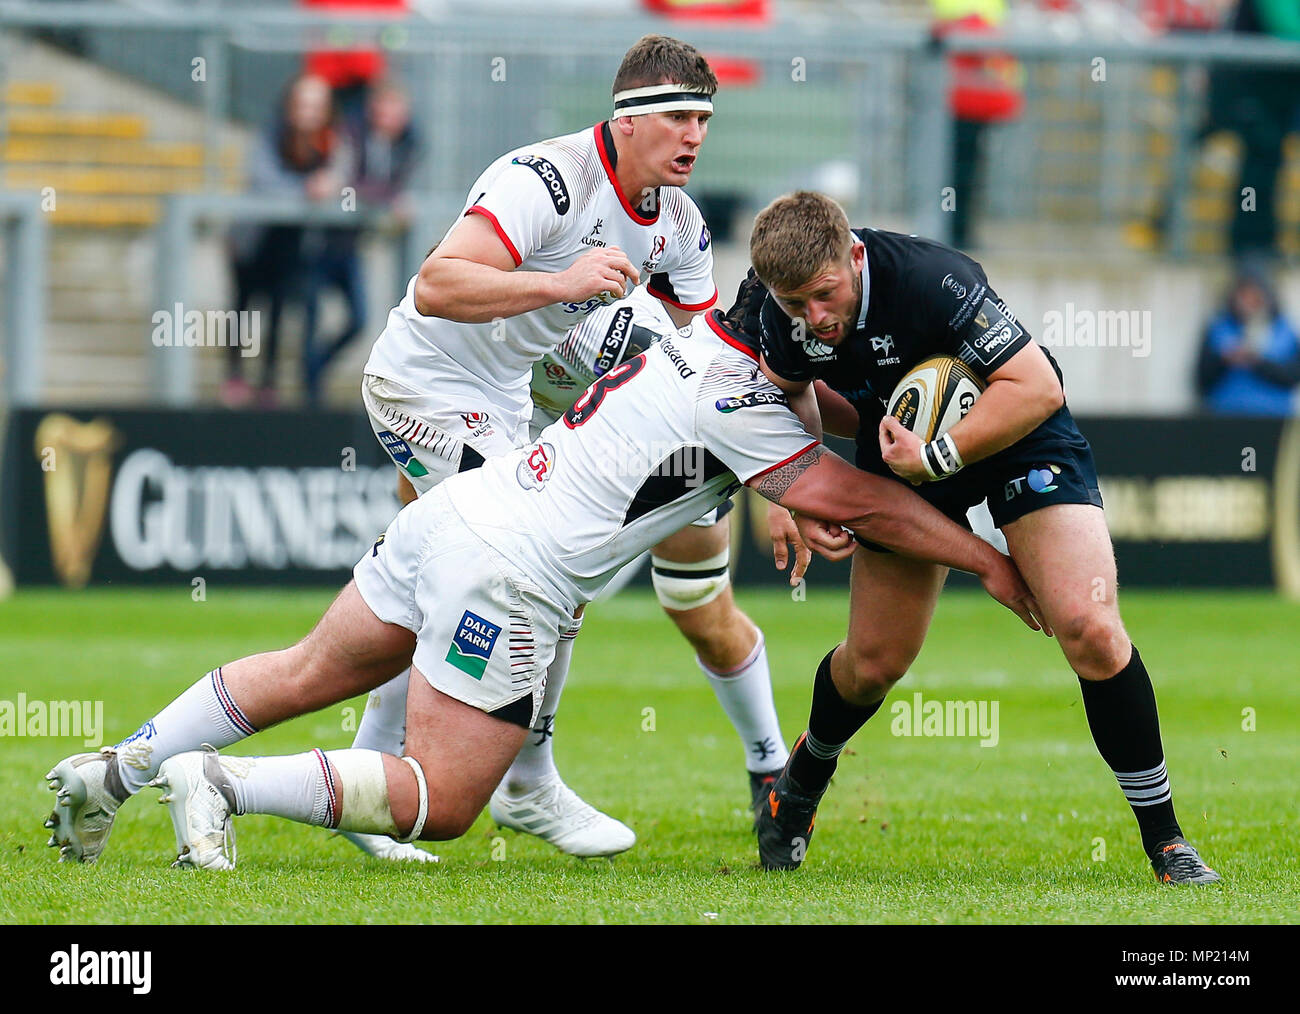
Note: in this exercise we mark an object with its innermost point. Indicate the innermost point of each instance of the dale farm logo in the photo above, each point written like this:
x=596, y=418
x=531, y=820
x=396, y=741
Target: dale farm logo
x=400, y=451
x=472, y=645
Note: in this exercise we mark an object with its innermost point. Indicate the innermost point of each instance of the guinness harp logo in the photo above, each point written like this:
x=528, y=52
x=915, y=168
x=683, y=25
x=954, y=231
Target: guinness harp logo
x=1286, y=512
x=77, y=461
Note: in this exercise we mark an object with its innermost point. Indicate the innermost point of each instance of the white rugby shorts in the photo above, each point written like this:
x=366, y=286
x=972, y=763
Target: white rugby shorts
x=426, y=434
x=485, y=633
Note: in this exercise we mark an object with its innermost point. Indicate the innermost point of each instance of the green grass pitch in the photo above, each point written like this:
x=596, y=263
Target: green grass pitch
x=914, y=830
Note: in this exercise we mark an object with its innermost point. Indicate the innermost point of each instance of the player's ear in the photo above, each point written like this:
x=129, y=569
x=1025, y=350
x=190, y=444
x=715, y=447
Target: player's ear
x=857, y=255
x=623, y=124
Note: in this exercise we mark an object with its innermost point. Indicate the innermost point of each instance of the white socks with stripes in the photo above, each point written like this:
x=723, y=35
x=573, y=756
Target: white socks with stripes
x=344, y=789
x=205, y=713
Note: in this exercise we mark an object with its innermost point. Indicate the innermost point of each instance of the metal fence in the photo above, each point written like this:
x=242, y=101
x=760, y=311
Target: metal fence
x=852, y=107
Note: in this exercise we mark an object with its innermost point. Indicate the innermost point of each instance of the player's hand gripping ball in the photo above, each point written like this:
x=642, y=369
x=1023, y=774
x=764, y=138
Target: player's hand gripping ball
x=932, y=397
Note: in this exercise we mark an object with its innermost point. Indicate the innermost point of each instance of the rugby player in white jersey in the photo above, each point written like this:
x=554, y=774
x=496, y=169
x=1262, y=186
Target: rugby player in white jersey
x=690, y=570
x=549, y=232
x=472, y=584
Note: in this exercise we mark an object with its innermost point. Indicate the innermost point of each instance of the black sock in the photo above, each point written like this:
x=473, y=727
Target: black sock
x=1125, y=727
x=831, y=724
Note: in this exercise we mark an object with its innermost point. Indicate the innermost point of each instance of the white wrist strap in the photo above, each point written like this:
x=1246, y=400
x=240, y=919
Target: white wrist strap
x=940, y=458
x=423, y=812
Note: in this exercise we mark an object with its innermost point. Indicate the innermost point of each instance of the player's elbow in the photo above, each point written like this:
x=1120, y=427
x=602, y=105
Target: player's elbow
x=874, y=526
x=429, y=291
x=1053, y=399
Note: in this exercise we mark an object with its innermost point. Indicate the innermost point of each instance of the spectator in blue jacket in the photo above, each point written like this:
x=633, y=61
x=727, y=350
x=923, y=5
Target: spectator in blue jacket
x=1250, y=358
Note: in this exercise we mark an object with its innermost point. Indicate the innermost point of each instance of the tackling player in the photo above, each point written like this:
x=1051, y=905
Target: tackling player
x=471, y=586
x=549, y=232
x=857, y=308
x=690, y=570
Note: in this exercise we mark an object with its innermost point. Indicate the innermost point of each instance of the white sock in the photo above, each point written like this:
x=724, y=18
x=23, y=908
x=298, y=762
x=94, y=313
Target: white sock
x=383, y=723
x=299, y=787
x=745, y=694
x=205, y=713
x=342, y=788
x=535, y=762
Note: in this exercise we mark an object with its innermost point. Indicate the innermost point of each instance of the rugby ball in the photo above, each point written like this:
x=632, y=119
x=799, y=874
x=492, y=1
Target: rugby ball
x=934, y=395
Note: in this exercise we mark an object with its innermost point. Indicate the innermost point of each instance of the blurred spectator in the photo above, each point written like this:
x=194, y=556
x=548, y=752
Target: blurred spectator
x=984, y=89
x=1259, y=104
x=385, y=150
x=1250, y=359
x=351, y=72
x=300, y=155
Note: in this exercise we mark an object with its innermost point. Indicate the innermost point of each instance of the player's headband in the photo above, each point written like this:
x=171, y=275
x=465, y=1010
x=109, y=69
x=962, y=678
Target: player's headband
x=660, y=98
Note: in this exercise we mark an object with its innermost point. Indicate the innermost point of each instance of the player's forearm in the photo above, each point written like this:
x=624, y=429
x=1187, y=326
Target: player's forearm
x=1007, y=411
x=822, y=485
x=463, y=290
x=891, y=515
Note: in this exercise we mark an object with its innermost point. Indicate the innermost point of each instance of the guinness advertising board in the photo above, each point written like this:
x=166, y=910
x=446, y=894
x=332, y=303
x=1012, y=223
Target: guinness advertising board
x=91, y=498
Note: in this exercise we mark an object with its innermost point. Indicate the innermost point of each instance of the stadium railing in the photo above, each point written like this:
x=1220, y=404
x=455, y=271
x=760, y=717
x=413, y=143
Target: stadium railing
x=186, y=214
x=24, y=230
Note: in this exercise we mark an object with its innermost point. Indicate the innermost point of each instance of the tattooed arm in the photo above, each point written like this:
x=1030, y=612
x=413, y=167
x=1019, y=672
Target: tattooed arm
x=822, y=484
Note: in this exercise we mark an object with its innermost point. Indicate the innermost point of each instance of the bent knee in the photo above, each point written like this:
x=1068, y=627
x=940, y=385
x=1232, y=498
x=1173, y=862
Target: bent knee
x=1095, y=643
x=870, y=677
x=447, y=826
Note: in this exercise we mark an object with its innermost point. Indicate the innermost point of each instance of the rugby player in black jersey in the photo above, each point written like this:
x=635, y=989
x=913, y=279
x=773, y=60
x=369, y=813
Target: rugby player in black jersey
x=855, y=309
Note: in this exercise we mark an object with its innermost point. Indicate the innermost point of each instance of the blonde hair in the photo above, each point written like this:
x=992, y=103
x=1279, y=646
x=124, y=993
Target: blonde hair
x=796, y=237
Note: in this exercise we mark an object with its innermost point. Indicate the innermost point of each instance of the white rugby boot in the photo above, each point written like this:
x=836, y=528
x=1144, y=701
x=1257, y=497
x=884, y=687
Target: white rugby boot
x=85, y=804
x=555, y=813
x=380, y=846
x=198, y=795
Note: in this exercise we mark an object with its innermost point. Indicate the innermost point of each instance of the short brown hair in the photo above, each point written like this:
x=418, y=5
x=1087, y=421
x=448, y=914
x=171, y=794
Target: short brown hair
x=656, y=59
x=796, y=237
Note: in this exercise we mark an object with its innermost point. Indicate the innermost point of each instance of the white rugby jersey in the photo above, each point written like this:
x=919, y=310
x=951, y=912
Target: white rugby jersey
x=653, y=445
x=593, y=347
x=550, y=202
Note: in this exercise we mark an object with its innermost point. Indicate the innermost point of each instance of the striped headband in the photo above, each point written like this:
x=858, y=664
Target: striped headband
x=661, y=98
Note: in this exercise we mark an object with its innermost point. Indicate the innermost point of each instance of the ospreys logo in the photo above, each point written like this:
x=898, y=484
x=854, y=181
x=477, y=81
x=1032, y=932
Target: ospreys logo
x=550, y=176
x=472, y=645
x=751, y=400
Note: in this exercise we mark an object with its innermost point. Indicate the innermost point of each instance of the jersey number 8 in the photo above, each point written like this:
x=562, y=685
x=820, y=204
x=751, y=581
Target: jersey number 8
x=585, y=407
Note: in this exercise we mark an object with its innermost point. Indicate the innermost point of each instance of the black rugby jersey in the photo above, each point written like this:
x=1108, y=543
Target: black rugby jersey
x=919, y=299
